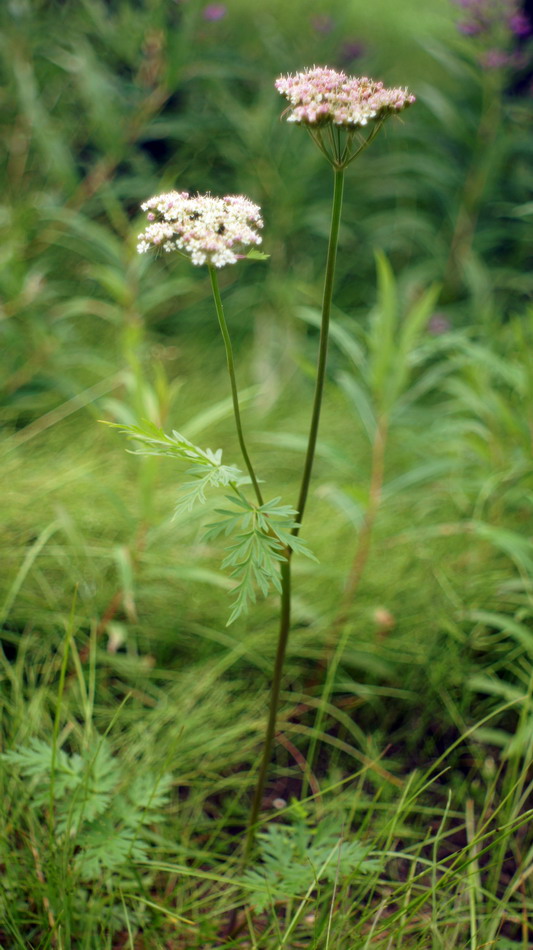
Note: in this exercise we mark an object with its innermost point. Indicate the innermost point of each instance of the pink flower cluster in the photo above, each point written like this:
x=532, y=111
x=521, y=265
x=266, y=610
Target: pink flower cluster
x=206, y=229
x=321, y=95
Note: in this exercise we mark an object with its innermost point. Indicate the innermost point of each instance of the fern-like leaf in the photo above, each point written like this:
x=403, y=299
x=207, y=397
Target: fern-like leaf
x=206, y=468
x=105, y=816
x=295, y=858
x=193, y=492
x=145, y=795
x=102, y=846
x=97, y=780
x=35, y=761
x=262, y=536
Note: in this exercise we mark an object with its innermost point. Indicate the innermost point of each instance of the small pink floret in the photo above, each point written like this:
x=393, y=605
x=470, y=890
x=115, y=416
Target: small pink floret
x=321, y=95
x=214, y=12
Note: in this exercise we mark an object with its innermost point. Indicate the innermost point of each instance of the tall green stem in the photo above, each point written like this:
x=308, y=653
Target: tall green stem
x=285, y=626
x=323, y=347
x=285, y=621
x=233, y=381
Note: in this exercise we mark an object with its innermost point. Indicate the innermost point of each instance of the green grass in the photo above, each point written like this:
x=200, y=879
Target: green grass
x=436, y=789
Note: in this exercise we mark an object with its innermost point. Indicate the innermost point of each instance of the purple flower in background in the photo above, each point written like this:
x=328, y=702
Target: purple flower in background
x=485, y=15
x=214, y=12
x=496, y=23
x=350, y=50
x=323, y=23
x=469, y=27
x=438, y=324
x=520, y=25
x=495, y=59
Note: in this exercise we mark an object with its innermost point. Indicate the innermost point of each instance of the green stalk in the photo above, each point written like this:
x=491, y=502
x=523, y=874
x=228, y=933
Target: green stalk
x=285, y=621
x=285, y=626
x=233, y=381
x=323, y=347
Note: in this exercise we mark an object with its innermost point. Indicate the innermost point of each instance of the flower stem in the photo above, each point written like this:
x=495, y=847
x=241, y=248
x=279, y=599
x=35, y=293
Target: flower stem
x=285, y=620
x=323, y=347
x=233, y=381
x=284, y=630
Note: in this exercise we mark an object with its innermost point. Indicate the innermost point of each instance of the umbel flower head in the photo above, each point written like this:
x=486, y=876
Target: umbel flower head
x=207, y=230
x=327, y=102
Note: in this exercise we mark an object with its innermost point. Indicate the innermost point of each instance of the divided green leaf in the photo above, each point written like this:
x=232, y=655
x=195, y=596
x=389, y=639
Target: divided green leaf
x=296, y=858
x=262, y=537
x=207, y=468
x=262, y=533
x=255, y=255
x=96, y=804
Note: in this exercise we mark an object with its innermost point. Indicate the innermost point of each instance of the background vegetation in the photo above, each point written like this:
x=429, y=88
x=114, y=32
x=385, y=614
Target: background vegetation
x=131, y=717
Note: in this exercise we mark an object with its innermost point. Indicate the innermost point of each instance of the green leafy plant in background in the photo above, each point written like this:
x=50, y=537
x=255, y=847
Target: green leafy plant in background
x=491, y=31
x=387, y=375
x=100, y=823
x=296, y=857
x=99, y=812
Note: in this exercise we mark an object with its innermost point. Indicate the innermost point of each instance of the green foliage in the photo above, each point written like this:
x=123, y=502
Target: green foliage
x=104, y=105
x=297, y=858
x=170, y=98
x=99, y=812
x=208, y=470
x=393, y=339
x=263, y=535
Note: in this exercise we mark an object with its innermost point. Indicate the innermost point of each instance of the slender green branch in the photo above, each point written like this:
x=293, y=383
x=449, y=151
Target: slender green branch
x=316, y=135
x=323, y=347
x=333, y=144
x=285, y=625
x=285, y=621
x=233, y=381
x=349, y=158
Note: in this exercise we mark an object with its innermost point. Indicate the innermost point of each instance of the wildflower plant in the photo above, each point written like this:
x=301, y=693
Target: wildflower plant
x=343, y=115
x=216, y=232
x=335, y=108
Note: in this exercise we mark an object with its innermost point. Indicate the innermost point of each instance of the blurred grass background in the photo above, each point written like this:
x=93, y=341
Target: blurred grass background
x=106, y=104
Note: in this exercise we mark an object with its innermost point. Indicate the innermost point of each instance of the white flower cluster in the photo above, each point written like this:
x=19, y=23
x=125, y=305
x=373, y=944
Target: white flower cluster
x=321, y=95
x=206, y=229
